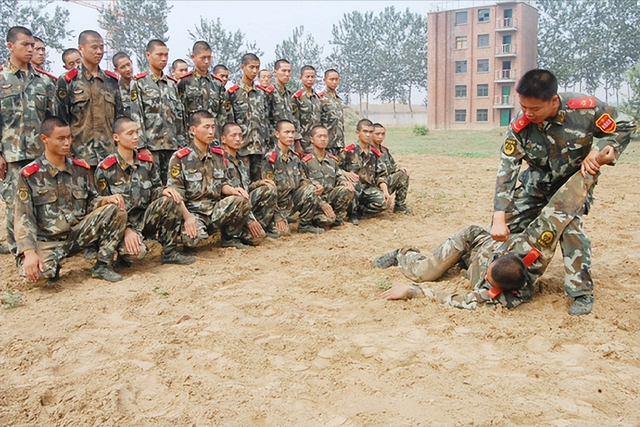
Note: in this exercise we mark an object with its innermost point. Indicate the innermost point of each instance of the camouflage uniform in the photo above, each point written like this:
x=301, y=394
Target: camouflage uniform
x=397, y=180
x=149, y=213
x=279, y=103
x=27, y=100
x=57, y=215
x=249, y=106
x=160, y=115
x=475, y=247
x=295, y=190
x=327, y=172
x=307, y=112
x=554, y=150
x=199, y=178
x=125, y=95
x=333, y=119
x=370, y=168
x=205, y=92
x=90, y=105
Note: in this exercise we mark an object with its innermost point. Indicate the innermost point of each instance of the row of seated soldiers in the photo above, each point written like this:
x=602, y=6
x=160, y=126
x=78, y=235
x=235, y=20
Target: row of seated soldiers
x=64, y=207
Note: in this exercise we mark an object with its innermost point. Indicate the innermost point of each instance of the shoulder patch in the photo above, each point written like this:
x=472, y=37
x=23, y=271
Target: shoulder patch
x=336, y=158
x=307, y=157
x=376, y=151
x=509, y=146
x=186, y=75
x=273, y=157
x=71, y=75
x=40, y=70
x=233, y=88
x=108, y=162
x=298, y=94
x=219, y=151
x=81, y=163
x=170, y=77
x=606, y=123
x=321, y=94
x=144, y=157
x=141, y=75
x=183, y=152
x=350, y=147
x=30, y=169
x=112, y=74
x=214, y=76
x=582, y=103
x=520, y=124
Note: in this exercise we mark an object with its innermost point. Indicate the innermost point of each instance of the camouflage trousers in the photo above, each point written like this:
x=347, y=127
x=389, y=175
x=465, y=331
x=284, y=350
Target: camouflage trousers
x=229, y=215
x=368, y=200
x=398, y=182
x=161, y=161
x=263, y=203
x=103, y=227
x=340, y=198
x=303, y=200
x=8, y=194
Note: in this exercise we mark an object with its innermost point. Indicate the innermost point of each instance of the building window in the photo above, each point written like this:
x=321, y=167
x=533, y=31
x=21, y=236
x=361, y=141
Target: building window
x=482, y=115
x=461, y=18
x=461, y=67
x=461, y=91
x=461, y=115
x=483, y=65
x=483, y=90
x=483, y=15
x=483, y=40
x=461, y=42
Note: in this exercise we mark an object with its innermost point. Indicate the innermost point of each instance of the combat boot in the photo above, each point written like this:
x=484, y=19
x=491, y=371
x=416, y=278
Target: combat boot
x=233, y=243
x=310, y=228
x=582, y=305
x=272, y=232
x=403, y=209
x=105, y=272
x=175, y=257
x=387, y=260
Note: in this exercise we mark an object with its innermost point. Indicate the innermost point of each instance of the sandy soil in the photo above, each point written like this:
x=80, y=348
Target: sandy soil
x=292, y=333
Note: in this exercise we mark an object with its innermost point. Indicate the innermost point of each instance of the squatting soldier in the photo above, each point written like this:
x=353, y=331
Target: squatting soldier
x=397, y=177
x=296, y=193
x=363, y=166
x=151, y=209
x=58, y=212
x=249, y=108
x=279, y=100
x=307, y=108
x=323, y=167
x=27, y=99
x=89, y=100
x=262, y=194
x=158, y=110
x=124, y=67
x=332, y=113
x=198, y=173
x=554, y=135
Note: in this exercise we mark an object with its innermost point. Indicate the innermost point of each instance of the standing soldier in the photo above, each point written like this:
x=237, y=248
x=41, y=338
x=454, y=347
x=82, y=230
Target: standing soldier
x=279, y=99
x=27, y=99
x=89, y=100
x=307, y=108
x=249, y=108
x=158, y=110
x=222, y=73
x=397, y=177
x=71, y=58
x=151, y=209
x=179, y=68
x=124, y=67
x=39, y=53
x=264, y=78
x=332, y=113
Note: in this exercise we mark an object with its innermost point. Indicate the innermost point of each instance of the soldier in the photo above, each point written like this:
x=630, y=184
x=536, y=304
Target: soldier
x=307, y=108
x=157, y=109
x=279, y=99
x=264, y=78
x=71, y=58
x=198, y=173
x=249, y=108
x=222, y=72
x=39, y=53
x=296, y=193
x=332, y=114
x=554, y=135
x=124, y=67
x=27, y=99
x=151, y=209
x=397, y=177
x=179, y=68
x=262, y=194
x=363, y=166
x=89, y=100
x=323, y=167
x=59, y=212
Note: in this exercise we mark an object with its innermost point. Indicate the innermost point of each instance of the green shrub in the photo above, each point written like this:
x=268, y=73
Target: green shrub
x=420, y=130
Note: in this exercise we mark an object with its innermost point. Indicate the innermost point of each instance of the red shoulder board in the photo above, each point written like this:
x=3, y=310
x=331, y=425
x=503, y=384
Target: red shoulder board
x=298, y=94
x=187, y=74
x=307, y=157
x=297, y=154
x=273, y=157
x=145, y=157
x=141, y=75
x=29, y=170
x=493, y=292
x=334, y=157
x=260, y=87
x=520, y=124
x=217, y=150
x=321, y=94
x=112, y=74
x=350, y=147
x=108, y=162
x=376, y=151
x=531, y=257
x=81, y=163
x=214, y=76
x=40, y=70
x=1, y=67
x=582, y=103
x=71, y=75
x=172, y=78
x=233, y=88
x=183, y=152
x=267, y=89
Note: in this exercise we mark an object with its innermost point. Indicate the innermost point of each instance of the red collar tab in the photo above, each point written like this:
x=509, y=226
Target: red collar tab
x=531, y=257
x=493, y=292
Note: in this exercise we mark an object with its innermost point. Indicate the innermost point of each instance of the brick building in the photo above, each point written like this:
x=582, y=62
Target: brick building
x=475, y=59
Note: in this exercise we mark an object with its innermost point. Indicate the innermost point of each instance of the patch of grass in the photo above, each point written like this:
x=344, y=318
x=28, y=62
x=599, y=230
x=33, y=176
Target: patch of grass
x=384, y=284
x=159, y=291
x=11, y=299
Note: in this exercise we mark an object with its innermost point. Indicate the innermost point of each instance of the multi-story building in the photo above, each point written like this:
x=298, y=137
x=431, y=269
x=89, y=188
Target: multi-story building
x=475, y=59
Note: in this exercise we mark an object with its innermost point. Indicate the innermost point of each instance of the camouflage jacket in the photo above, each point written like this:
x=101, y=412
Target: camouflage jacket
x=50, y=202
x=249, y=107
x=324, y=171
x=199, y=177
x=125, y=95
x=279, y=102
x=333, y=118
x=307, y=112
x=90, y=105
x=205, y=92
x=24, y=104
x=157, y=109
x=555, y=149
x=239, y=176
x=369, y=166
x=139, y=184
x=387, y=158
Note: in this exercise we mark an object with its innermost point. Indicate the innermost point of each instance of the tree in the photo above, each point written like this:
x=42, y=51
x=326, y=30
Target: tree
x=299, y=50
x=632, y=105
x=130, y=24
x=52, y=29
x=414, y=53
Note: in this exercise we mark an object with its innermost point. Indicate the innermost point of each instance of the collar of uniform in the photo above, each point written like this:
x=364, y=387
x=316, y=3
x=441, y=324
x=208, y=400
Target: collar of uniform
x=123, y=163
x=52, y=170
x=9, y=65
x=333, y=94
x=201, y=155
x=88, y=75
x=285, y=155
x=125, y=85
x=197, y=74
x=309, y=93
x=560, y=115
x=234, y=159
x=248, y=88
x=317, y=156
x=281, y=89
x=156, y=77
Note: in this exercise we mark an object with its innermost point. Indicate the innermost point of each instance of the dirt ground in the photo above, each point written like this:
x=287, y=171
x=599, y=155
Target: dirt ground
x=293, y=333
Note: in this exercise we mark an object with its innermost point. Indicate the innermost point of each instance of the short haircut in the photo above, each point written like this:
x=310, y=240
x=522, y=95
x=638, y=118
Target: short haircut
x=219, y=67
x=120, y=122
x=118, y=56
x=306, y=68
x=199, y=116
x=282, y=122
x=37, y=39
x=279, y=63
x=68, y=52
x=509, y=272
x=228, y=126
x=263, y=70
x=49, y=125
x=86, y=35
x=378, y=125
x=12, y=34
x=538, y=84
x=249, y=57
x=153, y=44
x=177, y=62
x=315, y=129
x=329, y=71
x=200, y=46
x=364, y=122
